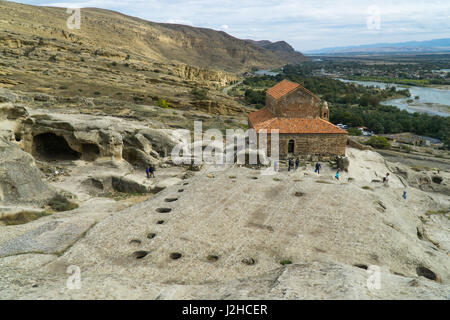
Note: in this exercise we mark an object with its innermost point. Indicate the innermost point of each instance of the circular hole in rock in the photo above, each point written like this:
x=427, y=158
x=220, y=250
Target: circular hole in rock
x=163, y=210
x=425, y=272
x=185, y=184
x=299, y=194
x=170, y=199
x=175, y=255
x=249, y=261
x=135, y=241
x=140, y=254
x=151, y=235
x=254, y=178
x=160, y=222
x=212, y=258
x=437, y=179
x=361, y=266
x=181, y=190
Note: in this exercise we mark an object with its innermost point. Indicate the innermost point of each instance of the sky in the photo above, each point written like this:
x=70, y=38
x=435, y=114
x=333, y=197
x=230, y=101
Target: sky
x=305, y=24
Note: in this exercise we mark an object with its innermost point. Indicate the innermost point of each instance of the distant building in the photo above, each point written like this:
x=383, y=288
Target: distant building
x=302, y=119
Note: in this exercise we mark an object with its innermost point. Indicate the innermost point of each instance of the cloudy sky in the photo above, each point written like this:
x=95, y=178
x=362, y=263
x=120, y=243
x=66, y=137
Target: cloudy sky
x=305, y=24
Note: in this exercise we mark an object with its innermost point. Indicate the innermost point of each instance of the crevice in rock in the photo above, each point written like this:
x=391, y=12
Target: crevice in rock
x=212, y=258
x=175, y=255
x=427, y=273
x=140, y=254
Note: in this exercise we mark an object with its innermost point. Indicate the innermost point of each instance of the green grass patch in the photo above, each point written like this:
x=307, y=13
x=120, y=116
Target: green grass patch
x=323, y=181
x=60, y=203
x=285, y=262
x=367, y=188
x=22, y=217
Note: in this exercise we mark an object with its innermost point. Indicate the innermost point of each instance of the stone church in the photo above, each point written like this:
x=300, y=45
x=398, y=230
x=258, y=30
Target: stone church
x=302, y=119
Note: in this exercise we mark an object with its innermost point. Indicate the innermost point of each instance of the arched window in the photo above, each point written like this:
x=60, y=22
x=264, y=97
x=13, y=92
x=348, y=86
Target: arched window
x=291, y=146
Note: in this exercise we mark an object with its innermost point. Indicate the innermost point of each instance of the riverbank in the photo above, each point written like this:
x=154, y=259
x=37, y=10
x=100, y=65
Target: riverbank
x=404, y=82
x=431, y=100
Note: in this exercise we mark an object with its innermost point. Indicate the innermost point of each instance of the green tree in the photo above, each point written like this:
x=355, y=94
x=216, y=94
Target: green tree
x=379, y=142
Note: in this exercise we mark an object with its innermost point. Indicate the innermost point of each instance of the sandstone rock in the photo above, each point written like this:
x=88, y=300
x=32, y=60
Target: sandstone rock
x=51, y=237
x=343, y=163
x=166, y=183
x=20, y=180
x=424, y=180
x=162, y=140
x=125, y=185
x=138, y=157
x=7, y=96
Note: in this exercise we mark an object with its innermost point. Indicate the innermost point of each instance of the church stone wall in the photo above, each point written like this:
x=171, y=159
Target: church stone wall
x=311, y=144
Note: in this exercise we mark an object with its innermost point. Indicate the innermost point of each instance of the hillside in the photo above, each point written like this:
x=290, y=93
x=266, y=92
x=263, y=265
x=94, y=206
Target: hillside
x=123, y=35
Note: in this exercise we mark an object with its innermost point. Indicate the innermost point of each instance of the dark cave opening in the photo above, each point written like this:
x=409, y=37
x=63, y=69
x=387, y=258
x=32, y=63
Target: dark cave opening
x=52, y=147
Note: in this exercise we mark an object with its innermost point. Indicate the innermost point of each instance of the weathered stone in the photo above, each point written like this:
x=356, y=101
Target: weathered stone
x=20, y=180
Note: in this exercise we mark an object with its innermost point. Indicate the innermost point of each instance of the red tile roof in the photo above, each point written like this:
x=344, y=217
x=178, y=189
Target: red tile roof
x=264, y=119
x=284, y=87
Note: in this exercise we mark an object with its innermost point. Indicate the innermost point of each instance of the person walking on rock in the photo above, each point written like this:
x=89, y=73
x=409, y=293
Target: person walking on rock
x=386, y=179
x=318, y=165
x=297, y=163
x=148, y=172
x=337, y=175
x=152, y=171
x=291, y=164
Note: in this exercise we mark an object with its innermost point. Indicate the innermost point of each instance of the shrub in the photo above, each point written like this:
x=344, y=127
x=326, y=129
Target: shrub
x=199, y=94
x=354, y=132
x=378, y=142
x=60, y=203
x=407, y=149
x=285, y=262
x=162, y=103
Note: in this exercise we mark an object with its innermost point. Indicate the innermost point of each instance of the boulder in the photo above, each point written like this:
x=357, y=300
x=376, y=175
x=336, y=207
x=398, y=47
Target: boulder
x=20, y=181
x=343, y=163
x=138, y=158
x=121, y=184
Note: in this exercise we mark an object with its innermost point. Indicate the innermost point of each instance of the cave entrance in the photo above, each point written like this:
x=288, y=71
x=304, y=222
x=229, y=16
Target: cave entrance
x=90, y=151
x=52, y=147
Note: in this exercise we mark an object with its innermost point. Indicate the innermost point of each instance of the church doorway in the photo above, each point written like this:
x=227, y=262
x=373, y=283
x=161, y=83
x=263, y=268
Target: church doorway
x=291, y=146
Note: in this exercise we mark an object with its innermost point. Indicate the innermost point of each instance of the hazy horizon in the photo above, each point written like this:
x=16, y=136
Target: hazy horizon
x=306, y=25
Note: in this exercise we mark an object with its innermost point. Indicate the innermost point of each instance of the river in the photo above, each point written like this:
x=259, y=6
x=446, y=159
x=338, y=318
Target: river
x=431, y=100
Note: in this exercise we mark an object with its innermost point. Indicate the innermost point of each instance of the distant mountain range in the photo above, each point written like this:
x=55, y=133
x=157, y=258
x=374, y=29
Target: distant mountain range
x=429, y=46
